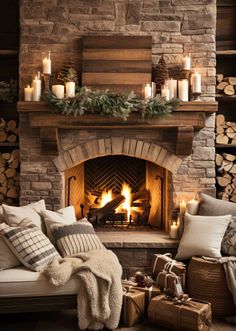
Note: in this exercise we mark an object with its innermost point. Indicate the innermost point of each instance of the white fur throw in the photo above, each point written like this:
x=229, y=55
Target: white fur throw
x=100, y=291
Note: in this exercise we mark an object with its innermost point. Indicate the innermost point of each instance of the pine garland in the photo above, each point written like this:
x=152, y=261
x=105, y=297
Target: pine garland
x=8, y=91
x=111, y=104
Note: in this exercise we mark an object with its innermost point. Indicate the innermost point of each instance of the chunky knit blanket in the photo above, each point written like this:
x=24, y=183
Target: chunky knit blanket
x=100, y=291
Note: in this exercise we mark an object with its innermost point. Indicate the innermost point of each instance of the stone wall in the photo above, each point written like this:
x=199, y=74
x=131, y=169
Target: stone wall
x=175, y=26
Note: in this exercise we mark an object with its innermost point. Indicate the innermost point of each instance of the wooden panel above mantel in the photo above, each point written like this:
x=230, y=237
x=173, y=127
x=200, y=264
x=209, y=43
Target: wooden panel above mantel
x=189, y=116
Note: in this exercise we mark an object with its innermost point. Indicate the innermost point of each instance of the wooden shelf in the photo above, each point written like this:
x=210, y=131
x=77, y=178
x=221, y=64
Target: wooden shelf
x=228, y=52
x=9, y=144
x=8, y=52
x=225, y=98
x=225, y=146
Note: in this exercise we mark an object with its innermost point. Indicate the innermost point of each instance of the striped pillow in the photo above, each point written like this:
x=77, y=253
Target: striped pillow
x=29, y=244
x=75, y=238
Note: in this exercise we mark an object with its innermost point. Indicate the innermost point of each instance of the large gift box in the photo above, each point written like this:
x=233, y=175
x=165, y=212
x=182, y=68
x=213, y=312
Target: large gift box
x=133, y=307
x=150, y=292
x=192, y=315
x=165, y=264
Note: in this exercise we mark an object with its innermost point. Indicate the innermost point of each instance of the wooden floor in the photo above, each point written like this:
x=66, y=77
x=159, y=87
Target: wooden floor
x=67, y=321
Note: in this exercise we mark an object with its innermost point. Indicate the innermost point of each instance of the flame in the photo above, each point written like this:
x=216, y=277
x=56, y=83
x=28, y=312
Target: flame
x=126, y=192
x=106, y=197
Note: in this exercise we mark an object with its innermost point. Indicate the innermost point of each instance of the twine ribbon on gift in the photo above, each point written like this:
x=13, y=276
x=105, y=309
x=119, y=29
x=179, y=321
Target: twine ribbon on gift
x=178, y=288
x=137, y=308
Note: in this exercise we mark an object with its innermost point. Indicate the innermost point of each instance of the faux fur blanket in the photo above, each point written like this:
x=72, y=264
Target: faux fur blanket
x=100, y=291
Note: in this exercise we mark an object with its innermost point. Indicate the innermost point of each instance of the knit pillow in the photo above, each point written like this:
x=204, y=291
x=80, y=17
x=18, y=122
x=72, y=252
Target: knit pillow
x=210, y=206
x=75, y=238
x=228, y=245
x=29, y=244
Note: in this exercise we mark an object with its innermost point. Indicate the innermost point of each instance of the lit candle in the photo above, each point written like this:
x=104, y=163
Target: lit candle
x=186, y=62
x=183, y=89
x=147, y=91
x=165, y=93
x=172, y=85
x=37, y=88
x=174, y=231
x=196, y=83
x=28, y=93
x=192, y=207
x=47, y=64
x=59, y=91
x=182, y=207
x=70, y=89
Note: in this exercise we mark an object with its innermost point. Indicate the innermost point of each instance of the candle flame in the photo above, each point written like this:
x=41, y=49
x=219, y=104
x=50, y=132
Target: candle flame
x=28, y=86
x=174, y=223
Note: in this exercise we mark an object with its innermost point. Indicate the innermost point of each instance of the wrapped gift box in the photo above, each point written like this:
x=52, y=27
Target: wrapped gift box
x=133, y=307
x=194, y=315
x=165, y=262
x=168, y=283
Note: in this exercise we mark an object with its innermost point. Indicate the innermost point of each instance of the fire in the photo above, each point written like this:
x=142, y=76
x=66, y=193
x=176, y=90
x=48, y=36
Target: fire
x=106, y=197
x=126, y=192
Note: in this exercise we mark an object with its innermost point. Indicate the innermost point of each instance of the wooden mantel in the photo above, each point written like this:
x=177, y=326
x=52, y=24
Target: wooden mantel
x=189, y=116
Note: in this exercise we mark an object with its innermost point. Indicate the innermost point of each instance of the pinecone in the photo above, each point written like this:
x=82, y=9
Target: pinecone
x=68, y=73
x=160, y=73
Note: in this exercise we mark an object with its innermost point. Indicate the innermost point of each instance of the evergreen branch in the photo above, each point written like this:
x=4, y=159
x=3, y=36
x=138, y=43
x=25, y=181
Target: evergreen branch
x=8, y=91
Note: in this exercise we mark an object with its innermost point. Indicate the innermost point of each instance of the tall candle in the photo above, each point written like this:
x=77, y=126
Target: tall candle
x=174, y=231
x=192, y=207
x=182, y=207
x=37, y=88
x=186, y=62
x=70, y=89
x=59, y=91
x=28, y=93
x=172, y=85
x=196, y=83
x=147, y=91
x=183, y=89
x=165, y=93
x=47, y=64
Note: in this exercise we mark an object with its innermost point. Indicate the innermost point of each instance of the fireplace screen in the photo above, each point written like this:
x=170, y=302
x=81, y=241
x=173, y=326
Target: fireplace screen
x=119, y=191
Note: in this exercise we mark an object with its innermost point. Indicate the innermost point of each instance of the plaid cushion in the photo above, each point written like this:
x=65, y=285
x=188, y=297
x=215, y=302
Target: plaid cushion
x=29, y=245
x=75, y=238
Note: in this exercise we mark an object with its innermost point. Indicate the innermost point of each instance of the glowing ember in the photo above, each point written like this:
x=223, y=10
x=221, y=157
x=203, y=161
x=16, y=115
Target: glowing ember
x=126, y=192
x=106, y=197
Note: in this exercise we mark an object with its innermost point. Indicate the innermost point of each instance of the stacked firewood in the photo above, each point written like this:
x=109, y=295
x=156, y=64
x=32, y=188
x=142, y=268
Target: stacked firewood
x=226, y=85
x=226, y=178
x=9, y=177
x=225, y=131
x=8, y=131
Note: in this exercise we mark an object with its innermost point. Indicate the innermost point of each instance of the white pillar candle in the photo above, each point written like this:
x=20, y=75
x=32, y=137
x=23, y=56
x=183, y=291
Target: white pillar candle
x=165, y=93
x=182, y=207
x=28, y=93
x=36, y=89
x=183, y=89
x=196, y=83
x=47, y=64
x=59, y=91
x=70, y=89
x=147, y=91
x=172, y=85
x=174, y=231
x=186, y=62
x=192, y=207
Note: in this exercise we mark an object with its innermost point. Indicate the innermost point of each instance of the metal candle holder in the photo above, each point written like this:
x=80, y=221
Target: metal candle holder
x=196, y=96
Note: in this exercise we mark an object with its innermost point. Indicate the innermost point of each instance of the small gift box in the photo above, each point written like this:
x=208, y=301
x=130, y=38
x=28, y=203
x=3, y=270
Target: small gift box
x=169, y=283
x=133, y=307
x=187, y=315
x=164, y=262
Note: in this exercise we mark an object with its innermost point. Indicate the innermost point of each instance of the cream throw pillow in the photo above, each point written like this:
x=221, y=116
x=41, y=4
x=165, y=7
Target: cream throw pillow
x=14, y=215
x=64, y=216
x=202, y=236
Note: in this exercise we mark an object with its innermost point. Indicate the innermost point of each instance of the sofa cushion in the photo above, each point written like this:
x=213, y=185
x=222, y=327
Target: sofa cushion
x=7, y=258
x=64, y=216
x=14, y=215
x=75, y=238
x=229, y=241
x=210, y=206
x=29, y=244
x=202, y=236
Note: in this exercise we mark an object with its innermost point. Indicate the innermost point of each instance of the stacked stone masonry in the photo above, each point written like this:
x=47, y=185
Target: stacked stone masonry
x=175, y=26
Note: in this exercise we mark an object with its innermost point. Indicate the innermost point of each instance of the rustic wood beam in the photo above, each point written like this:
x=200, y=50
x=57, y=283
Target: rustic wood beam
x=49, y=140
x=184, y=141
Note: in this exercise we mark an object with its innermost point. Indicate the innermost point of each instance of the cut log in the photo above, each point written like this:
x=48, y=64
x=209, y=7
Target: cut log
x=141, y=195
x=229, y=90
x=222, y=139
x=233, y=169
x=16, y=154
x=2, y=178
x=11, y=125
x=222, y=181
x=2, y=196
x=3, y=136
x=232, y=80
x=233, y=198
x=2, y=123
x=220, y=120
x=12, y=193
x=227, y=175
x=109, y=208
x=226, y=166
x=231, y=133
x=14, y=164
x=219, y=77
x=219, y=160
x=10, y=172
x=221, y=86
x=233, y=141
x=233, y=124
x=229, y=189
x=229, y=157
x=12, y=138
x=6, y=156
x=219, y=129
x=223, y=196
x=3, y=190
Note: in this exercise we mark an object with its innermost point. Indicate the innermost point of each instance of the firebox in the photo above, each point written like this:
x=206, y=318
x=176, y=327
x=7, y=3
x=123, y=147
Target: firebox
x=119, y=191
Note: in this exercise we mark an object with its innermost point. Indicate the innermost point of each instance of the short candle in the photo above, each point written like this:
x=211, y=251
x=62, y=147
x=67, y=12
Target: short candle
x=28, y=93
x=174, y=231
x=186, y=62
x=196, y=83
x=47, y=64
x=147, y=91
